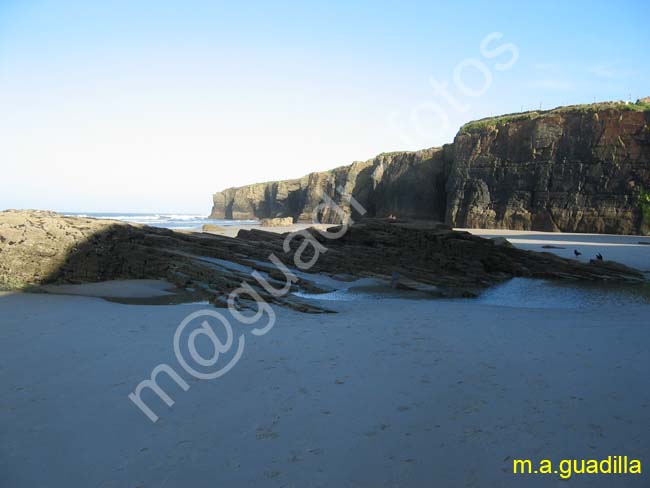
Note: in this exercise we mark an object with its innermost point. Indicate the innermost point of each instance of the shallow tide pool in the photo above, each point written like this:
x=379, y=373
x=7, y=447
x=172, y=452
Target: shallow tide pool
x=517, y=292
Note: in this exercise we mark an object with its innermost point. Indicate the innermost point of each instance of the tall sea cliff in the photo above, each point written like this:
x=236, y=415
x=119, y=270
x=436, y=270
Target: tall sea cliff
x=571, y=169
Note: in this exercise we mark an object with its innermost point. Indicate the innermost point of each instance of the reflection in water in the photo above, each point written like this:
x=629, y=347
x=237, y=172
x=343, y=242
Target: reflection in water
x=517, y=292
x=368, y=292
x=526, y=292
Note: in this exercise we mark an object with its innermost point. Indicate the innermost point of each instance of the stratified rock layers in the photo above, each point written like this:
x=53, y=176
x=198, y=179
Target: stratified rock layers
x=399, y=183
x=43, y=247
x=573, y=169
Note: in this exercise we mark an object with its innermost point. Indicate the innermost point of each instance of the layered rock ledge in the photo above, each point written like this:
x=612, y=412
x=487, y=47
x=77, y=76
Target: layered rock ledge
x=43, y=247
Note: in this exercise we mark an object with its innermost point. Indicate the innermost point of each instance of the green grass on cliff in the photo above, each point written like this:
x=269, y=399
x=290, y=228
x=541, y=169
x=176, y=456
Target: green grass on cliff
x=644, y=205
x=494, y=121
x=639, y=106
x=636, y=107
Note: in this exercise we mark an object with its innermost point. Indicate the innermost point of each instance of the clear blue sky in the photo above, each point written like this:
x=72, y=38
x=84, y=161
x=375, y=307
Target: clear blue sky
x=154, y=105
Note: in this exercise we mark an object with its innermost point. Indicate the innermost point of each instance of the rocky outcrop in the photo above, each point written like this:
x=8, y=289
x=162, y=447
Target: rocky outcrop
x=277, y=222
x=572, y=169
x=42, y=247
x=212, y=228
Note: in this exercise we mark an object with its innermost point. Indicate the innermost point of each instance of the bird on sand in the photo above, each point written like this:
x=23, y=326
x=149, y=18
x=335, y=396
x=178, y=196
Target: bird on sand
x=577, y=253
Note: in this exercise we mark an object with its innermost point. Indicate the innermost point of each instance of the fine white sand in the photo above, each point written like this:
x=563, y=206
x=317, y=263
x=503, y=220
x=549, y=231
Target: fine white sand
x=395, y=392
x=232, y=230
x=624, y=249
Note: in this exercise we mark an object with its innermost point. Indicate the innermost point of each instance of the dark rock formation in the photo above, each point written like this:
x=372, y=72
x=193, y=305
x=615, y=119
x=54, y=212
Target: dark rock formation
x=38, y=247
x=42, y=247
x=427, y=255
x=572, y=169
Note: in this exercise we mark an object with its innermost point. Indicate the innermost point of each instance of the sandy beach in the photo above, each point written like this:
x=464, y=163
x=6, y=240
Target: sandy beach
x=232, y=230
x=171, y=317
x=386, y=392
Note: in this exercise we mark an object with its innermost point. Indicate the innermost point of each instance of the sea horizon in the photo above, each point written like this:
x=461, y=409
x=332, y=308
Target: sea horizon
x=167, y=220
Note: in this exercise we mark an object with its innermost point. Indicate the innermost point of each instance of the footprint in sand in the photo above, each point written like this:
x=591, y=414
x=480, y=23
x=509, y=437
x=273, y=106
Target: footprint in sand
x=264, y=434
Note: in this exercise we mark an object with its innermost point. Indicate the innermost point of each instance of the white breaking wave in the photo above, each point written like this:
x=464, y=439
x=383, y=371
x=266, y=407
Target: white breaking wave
x=169, y=221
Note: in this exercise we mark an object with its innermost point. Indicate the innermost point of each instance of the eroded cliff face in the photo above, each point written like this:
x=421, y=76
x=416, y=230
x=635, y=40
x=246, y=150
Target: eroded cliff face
x=409, y=184
x=573, y=169
x=568, y=170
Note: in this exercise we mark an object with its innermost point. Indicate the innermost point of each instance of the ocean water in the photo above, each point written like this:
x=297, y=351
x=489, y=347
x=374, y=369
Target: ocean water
x=165, y=220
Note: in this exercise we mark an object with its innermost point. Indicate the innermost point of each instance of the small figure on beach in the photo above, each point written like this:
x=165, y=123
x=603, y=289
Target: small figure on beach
x=577, y=253
x=599, y=257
